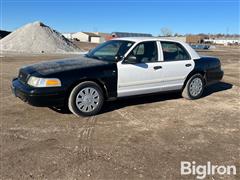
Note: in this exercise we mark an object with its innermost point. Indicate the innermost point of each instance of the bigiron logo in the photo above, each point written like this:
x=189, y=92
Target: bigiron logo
x=201, y=171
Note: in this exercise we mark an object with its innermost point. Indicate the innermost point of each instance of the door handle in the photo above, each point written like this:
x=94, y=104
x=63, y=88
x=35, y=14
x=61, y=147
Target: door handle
x=157, y=67
x=188, y=65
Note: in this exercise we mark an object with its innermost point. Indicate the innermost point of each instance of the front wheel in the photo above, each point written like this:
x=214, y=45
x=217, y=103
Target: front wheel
x=194, y=87
x=86, y=99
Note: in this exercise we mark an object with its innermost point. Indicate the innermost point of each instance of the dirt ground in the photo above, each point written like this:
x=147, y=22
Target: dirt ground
x=137, y=138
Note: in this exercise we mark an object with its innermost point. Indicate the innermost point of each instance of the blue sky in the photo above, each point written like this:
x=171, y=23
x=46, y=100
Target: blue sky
x=149, y=16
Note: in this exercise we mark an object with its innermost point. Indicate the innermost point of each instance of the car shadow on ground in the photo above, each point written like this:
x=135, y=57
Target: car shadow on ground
x=221, y=86
x=146, y=99
x=138, y=100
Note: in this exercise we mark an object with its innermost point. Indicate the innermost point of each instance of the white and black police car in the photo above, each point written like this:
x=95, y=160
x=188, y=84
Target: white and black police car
x=117, y=68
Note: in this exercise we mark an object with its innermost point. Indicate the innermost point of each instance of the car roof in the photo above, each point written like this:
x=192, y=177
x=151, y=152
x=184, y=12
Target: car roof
x=139, y=39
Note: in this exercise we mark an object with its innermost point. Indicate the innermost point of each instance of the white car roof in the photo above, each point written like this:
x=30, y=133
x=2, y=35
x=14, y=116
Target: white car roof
x=191, y=51
x=139, y=39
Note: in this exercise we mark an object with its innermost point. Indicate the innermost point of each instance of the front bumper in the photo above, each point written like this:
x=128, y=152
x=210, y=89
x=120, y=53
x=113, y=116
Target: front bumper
x=42, y=97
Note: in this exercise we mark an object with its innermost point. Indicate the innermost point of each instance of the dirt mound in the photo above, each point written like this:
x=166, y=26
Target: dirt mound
x=37, y=38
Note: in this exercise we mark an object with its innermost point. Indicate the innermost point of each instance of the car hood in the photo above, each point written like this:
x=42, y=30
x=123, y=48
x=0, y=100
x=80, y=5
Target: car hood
x=55, y=66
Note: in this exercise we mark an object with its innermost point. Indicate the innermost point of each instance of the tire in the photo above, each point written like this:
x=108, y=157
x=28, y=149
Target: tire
x=86, y=99
x=194, y=87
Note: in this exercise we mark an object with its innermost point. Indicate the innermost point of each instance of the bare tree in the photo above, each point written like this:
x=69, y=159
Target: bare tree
x=166, y=31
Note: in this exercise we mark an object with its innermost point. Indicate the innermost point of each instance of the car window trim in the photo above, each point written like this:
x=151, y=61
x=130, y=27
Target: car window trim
x=160, y=54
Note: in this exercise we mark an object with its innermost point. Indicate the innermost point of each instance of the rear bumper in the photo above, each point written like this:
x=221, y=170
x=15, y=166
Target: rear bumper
x=214, y=76
x=41, y=97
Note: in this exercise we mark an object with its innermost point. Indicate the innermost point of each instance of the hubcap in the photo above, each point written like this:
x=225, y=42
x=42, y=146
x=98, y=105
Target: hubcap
x=87, y=99
x=196, y=87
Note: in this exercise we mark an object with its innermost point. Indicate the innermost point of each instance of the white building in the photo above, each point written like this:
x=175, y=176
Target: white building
x=87, y=37
x=224, y=41
x=104, y=36
x=95, y=39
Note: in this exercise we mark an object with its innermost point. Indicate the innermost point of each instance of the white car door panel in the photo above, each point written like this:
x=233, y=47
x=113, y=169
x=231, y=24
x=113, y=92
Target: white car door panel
x=134, y=79
x=144, y=76
x=175, y=73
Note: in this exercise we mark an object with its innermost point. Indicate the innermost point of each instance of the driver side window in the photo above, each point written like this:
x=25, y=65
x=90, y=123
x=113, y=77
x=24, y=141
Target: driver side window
x=139, y=50
x=144, y=52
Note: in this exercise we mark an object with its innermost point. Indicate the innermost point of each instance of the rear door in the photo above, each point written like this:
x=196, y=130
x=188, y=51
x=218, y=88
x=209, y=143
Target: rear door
x=140, y=72
x=176, y=65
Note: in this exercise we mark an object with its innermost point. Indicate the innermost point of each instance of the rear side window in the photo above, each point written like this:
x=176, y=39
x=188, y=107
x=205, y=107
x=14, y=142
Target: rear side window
x=174, y=52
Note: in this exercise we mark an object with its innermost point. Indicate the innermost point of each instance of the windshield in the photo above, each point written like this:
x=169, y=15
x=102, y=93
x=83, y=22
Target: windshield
x=110, y=50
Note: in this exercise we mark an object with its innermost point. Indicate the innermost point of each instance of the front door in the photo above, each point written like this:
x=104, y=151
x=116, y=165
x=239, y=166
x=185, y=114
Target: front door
x=141, y=71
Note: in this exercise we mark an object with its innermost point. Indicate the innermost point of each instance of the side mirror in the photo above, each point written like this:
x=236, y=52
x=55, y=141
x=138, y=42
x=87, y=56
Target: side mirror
x=131, y=60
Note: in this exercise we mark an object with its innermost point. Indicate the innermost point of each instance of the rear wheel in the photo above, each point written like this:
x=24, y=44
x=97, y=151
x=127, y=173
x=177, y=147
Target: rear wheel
x=194, y=87
x=86, y=99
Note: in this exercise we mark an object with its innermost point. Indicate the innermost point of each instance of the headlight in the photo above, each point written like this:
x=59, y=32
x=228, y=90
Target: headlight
x=44, y=82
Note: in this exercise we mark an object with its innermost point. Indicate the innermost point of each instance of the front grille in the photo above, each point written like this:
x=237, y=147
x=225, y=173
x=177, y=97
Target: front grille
x=23, y=76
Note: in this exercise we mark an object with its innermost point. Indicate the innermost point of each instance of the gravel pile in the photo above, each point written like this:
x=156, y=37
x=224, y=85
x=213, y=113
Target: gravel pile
x=37, y=38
